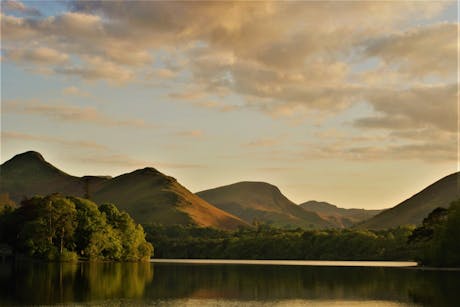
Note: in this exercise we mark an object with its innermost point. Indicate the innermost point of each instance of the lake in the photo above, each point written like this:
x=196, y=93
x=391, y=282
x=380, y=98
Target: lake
x=224, y=283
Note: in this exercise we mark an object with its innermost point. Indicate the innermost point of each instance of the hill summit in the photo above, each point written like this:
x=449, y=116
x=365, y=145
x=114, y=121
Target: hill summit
x=28, y=174
x=261, y=202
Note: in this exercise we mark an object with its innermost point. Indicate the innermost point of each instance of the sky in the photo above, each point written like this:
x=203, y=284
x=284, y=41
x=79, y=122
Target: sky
x=354, y=103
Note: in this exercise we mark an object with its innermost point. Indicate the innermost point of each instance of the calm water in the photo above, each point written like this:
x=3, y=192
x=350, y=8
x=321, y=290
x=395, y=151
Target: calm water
x=217, y=284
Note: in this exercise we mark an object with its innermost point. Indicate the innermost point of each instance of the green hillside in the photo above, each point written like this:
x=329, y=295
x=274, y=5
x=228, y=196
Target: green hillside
x=339, y=217
x=261, y=202
x=416, y=208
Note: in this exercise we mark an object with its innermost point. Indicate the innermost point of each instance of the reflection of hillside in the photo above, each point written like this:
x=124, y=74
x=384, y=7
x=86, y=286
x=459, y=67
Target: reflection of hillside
x=47, y=283
x=270, y=283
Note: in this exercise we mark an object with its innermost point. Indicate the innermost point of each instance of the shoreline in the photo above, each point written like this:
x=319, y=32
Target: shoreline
x=388, y=264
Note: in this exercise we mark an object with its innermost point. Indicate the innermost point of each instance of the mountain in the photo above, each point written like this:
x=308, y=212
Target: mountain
x=261, y=202
x=339, y=217
x=147, y=195
x=152, y=197
x=28, y=174
x=415, y=209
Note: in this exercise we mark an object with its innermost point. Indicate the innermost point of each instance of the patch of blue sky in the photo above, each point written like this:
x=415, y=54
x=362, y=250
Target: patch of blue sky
x=365, y=64
x=18, y=82
x=448, y=14
x=49, y=7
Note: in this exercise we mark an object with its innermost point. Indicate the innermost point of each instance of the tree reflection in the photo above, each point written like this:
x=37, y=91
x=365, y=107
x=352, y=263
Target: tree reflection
x=51, y=283
x=47, y=283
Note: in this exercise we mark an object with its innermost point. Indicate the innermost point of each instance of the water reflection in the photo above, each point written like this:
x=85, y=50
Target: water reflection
x=112, y=283
x=270, y=283
x=48, y=283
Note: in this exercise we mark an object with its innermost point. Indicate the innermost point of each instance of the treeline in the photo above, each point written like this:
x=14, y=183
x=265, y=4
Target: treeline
x=63, y=228
x=67, y=228
x=438, y=239
x=265, y=242
x=435, y=243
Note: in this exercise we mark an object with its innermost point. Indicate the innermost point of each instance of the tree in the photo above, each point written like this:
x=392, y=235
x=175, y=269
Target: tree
x=58, y=227
x=132, y=236
x=445, y=248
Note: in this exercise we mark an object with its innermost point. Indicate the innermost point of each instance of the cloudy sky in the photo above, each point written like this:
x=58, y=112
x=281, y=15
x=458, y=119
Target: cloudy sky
x=354, y=103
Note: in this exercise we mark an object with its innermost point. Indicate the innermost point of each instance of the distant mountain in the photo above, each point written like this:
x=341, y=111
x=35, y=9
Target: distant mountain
x=262, y=202
x=339, y=217
x=415, y=209
x=147, y=195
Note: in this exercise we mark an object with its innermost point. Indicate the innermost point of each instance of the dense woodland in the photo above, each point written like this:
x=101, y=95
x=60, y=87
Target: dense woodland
x=435, y=243
x=67, y=228
x=264, y=242
x=438, y=239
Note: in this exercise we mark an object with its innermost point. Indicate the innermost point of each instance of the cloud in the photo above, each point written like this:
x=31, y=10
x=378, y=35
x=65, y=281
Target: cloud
x=424, y=135
x=286, y=59
x=413, y=108
x=75, y=91
x=214, y=105
x=12, y=135
x=424, y=50
x=68, y=113
x=190, y=133
x=165, y=73
x=79, y=24
x=265, y=142
x=97, y=68
x=19, y=7
x=429, y=151
x=39, y=56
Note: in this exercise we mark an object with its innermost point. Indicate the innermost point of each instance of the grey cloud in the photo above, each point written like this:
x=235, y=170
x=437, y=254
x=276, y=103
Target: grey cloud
x=427, y=50
x=417, y=107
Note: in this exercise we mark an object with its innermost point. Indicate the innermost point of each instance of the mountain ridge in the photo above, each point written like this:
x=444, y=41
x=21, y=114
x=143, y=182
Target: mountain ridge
x=340, y=217
x=28, y=174
x=414, y=209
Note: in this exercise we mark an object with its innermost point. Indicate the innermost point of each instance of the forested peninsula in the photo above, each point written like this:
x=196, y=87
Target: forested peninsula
x=65, y=228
